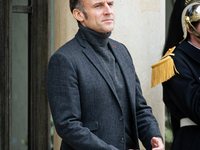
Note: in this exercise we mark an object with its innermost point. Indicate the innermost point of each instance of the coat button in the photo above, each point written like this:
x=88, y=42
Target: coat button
x=122, y=140
x=121, y=118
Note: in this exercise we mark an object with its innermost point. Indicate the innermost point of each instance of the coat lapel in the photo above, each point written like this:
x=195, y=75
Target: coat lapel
x=91, y=55
x=127, y=68
x=123, y=60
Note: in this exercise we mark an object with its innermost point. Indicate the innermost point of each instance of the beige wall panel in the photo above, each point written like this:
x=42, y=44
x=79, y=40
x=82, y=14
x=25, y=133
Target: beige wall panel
x=140, y=25
x=65, y=26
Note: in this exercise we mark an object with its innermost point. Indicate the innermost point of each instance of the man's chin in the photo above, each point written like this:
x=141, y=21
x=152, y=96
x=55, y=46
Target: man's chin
x=109, y=29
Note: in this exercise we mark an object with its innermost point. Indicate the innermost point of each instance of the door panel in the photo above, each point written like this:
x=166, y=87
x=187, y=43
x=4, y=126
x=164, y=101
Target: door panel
x=24, y=55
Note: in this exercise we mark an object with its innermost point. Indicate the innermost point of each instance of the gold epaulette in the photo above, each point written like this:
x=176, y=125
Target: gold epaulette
x=164, y=69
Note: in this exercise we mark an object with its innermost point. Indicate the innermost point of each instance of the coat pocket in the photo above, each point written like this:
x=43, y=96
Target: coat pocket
x=92, y=126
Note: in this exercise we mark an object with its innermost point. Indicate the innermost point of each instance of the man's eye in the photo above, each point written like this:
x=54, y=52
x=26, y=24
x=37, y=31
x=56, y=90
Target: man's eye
x=110, y=4
x=97, y=6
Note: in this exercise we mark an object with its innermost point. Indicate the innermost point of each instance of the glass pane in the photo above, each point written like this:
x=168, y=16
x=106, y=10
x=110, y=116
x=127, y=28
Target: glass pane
x=20, y=2
x=19, y=82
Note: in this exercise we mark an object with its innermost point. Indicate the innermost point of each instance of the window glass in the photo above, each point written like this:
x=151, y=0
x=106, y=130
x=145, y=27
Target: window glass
x=20, y=2
x=19, y=81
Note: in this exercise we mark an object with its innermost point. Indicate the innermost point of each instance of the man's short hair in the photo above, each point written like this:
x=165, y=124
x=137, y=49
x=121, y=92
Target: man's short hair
x=73, y=3
x=77, y=4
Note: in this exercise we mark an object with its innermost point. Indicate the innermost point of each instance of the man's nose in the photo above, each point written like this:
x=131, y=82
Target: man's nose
x=108, y=10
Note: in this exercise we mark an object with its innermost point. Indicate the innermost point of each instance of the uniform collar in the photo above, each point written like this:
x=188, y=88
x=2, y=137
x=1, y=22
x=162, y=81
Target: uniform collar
x=193, y=45
x=190, y=50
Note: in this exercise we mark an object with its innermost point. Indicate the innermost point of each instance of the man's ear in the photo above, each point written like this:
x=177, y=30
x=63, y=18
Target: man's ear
x=78, y=15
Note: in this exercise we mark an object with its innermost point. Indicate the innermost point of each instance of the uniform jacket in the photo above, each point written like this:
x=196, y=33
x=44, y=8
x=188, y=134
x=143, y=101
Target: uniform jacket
x=182, y=92
x=85, y=107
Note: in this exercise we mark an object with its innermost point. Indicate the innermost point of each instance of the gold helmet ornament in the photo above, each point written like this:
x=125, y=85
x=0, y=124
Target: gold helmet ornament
x=187, y=2
x=190, y=14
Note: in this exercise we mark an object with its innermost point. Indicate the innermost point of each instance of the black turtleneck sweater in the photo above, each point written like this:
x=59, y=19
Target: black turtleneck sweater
x=99, y=43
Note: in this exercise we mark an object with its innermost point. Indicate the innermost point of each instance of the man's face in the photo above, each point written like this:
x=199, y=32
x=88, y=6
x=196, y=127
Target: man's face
x=100, y=15
x=193, y=38
x=198, y=27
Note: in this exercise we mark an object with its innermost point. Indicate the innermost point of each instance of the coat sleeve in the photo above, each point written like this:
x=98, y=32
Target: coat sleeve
x=64, y=99
x=146, y=122
x=183, y=90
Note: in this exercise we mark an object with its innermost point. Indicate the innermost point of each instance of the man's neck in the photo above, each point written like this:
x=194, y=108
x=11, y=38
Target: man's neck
x=94, y=37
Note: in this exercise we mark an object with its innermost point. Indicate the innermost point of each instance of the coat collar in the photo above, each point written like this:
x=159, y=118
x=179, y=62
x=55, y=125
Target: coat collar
x=80, y=39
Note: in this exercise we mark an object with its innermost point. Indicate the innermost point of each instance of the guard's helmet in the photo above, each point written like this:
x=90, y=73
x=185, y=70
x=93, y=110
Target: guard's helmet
x=190, y=14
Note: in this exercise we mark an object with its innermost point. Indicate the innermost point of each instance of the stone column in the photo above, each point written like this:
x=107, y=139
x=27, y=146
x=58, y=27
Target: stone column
x=140, y=25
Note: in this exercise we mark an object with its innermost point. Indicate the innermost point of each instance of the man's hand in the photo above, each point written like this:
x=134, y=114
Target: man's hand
x=157, y=143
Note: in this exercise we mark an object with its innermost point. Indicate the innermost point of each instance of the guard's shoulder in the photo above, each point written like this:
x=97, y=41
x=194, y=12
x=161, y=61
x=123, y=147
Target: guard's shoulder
x=164, y=69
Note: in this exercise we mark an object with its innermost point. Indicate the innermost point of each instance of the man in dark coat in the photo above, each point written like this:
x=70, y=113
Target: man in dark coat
x=93, y=90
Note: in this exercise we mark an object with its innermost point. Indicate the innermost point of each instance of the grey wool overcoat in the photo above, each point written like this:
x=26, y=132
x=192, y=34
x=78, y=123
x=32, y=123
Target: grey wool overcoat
x=85, y=107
